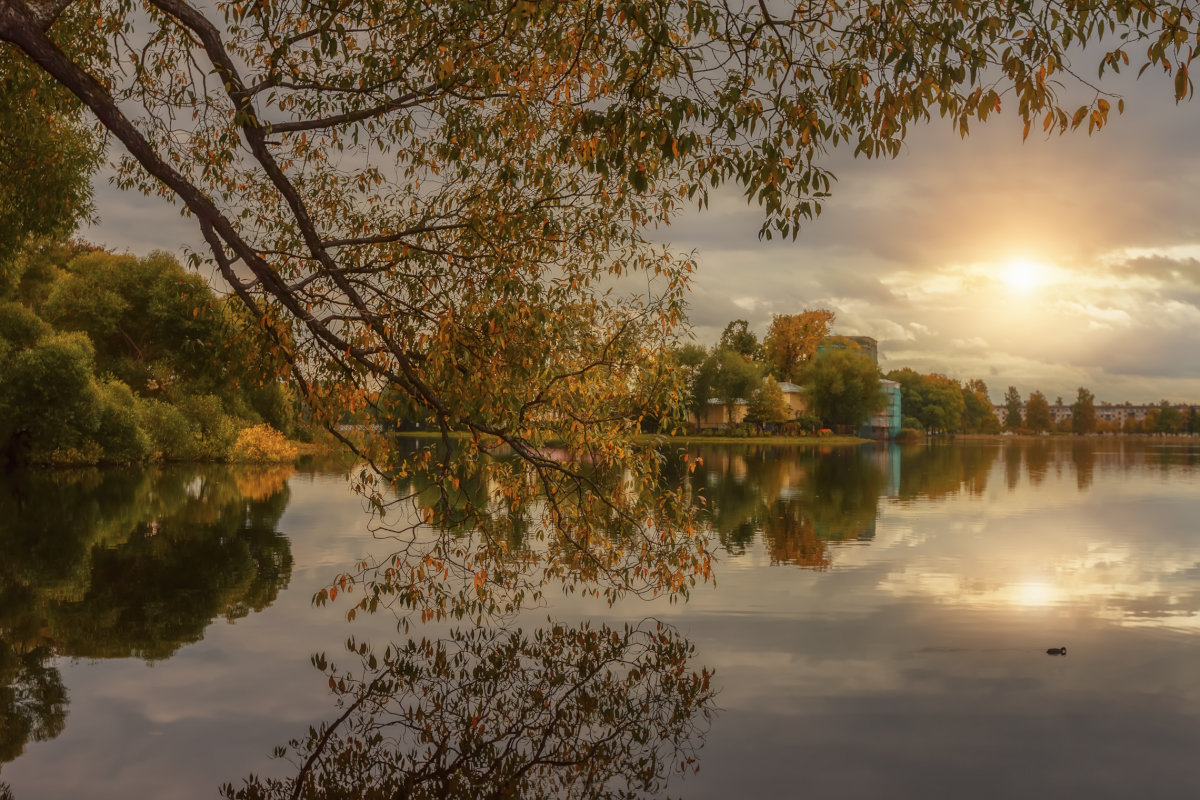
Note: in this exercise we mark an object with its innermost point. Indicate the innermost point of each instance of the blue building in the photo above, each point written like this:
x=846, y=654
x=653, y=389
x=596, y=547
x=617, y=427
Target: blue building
x=885, y=424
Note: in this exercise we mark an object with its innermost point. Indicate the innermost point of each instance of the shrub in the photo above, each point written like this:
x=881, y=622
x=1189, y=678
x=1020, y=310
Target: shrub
x=262, y=443
x=171, y=435
x=212, y=431
x=908, y=436
x=118, y=433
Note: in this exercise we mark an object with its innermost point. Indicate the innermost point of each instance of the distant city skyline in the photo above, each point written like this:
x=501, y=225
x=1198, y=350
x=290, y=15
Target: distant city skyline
x=1047, y=265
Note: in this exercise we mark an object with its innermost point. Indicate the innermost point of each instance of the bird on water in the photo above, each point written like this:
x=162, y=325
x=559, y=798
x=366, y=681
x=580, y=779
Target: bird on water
x=1057, y=651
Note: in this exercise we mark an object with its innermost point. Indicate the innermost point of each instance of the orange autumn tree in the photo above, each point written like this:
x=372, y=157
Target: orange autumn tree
x=438, y=198
x=792, y=340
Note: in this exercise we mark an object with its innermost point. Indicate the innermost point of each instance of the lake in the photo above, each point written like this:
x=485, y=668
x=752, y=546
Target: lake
x=878, y=627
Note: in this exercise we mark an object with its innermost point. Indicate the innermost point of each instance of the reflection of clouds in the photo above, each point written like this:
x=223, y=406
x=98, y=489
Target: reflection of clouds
x=1097, y=554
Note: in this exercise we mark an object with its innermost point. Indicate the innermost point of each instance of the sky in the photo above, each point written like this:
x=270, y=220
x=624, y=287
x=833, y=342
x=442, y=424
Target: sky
x=1048, y=264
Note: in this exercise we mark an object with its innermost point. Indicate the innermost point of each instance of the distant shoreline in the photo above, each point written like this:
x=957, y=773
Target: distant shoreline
x=1069, y=436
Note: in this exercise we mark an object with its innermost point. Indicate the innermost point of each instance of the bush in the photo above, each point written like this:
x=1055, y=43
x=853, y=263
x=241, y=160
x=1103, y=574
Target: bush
x=213, y=432
x=909, y=436
x=262, y=443
x=118, y=433
x=170, y=433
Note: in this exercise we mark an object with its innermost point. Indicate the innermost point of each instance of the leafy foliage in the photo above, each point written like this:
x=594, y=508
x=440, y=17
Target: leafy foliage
x=1014, y=418
x=728, y=376
x=843, y=386
x=117, y=359
x=439, y=198
x=978, y=414
x=738, y=337
x=1083, y=412
x=934, y=401
x=792, y=340
x=767, y=404
x=262, y=443
x=1037, y=413
x=48, y=148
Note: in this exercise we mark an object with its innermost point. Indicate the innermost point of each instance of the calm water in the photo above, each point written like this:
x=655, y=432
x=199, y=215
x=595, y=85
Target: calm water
x=878, y=629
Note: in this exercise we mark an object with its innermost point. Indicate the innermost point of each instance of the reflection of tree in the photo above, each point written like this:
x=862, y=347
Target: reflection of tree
x=845, y=489
x=1037, y=461
x=1083, y=455
x=1012, y=466
x=120, y=563
x=938, y=471
x=33, y=700
x=801, y=499
x=480, y=532
x=791, y=537
x=486, y=713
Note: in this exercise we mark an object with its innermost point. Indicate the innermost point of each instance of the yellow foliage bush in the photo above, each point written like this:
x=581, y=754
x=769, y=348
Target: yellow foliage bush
x=262, y=443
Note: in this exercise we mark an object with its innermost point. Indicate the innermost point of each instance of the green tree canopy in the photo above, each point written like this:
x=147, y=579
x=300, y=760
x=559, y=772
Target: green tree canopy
x=48, y=147
x=126, y=357
x=726, y=376
x=933, y=400
x=738, y=337
x=978, y=414
x=767, y=404
x=1170, y=419
x=843, y=386
x=1012, y=408
x=1083, y=412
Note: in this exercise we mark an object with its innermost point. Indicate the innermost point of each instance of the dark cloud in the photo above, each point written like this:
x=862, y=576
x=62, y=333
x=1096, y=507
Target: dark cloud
x=1162, y=268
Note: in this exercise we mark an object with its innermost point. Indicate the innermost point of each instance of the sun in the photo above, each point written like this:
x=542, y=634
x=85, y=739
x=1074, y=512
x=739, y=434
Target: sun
x=1023, y=275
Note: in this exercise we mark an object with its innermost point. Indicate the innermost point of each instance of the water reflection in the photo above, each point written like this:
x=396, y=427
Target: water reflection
x=801, y=501
x=557, y=711
x=882, y=614
x=481, y=534
x=125, y=563
x=805, y=503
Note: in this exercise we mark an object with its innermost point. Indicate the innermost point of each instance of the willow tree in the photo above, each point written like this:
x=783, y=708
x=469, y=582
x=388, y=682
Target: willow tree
x=441, y=197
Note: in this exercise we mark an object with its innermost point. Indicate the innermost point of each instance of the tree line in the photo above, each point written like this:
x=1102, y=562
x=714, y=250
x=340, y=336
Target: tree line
x=840, y=380
x=1035, y=416
x=842, y=388
x=115, y=359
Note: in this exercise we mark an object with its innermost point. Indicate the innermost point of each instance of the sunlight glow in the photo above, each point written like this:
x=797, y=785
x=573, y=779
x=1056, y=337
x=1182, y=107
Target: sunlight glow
x=1035, y=594
x=1023, y=275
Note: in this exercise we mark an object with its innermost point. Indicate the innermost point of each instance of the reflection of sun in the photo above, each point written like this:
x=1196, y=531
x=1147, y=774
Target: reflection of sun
x=1023, y=275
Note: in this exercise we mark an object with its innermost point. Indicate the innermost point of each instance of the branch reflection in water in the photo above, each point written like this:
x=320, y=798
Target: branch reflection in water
x=480, y=533
x=560, y=711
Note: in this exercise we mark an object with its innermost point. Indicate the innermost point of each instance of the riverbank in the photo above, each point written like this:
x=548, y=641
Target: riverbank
x=1132, y=437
